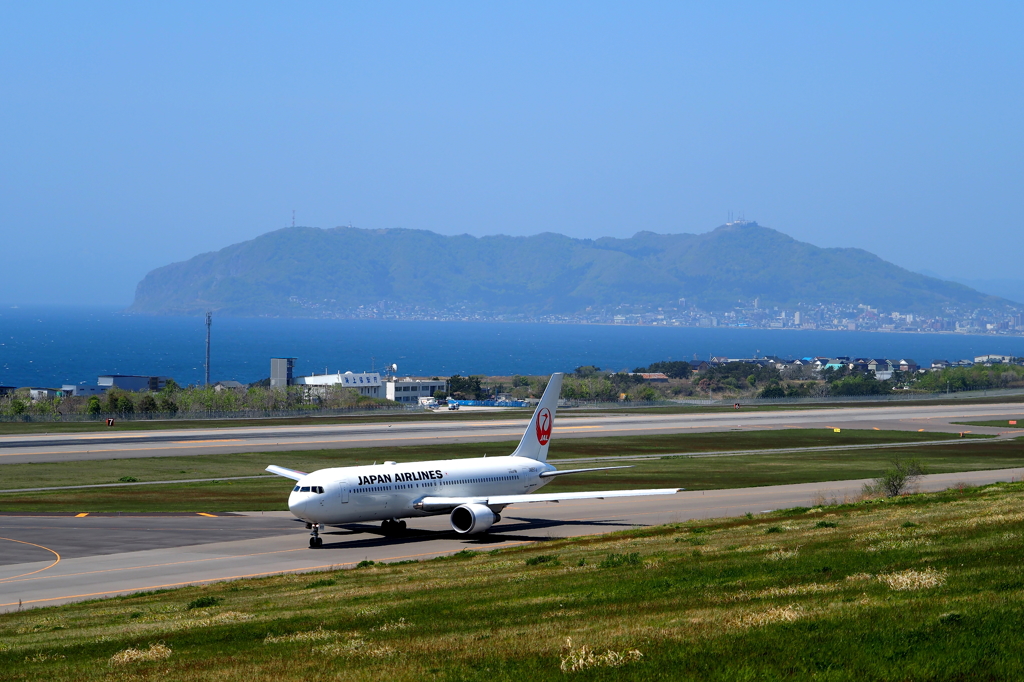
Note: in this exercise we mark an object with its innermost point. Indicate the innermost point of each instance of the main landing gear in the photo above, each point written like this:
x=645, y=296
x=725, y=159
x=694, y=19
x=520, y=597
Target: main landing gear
x=314, y=537
x=392, y=527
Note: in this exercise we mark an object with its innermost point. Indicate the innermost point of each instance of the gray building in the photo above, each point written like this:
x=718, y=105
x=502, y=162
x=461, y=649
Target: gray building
x=132, y=382
x=282, y=372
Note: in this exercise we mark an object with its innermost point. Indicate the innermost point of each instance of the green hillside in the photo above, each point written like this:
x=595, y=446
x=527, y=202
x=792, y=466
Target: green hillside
x=286, y=271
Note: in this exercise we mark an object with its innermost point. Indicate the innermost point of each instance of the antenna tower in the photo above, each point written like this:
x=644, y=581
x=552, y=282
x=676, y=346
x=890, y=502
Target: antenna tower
x=293, y=217
x=209, y=321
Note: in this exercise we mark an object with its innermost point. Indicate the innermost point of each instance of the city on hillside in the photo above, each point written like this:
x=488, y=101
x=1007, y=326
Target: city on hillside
x=833, y=317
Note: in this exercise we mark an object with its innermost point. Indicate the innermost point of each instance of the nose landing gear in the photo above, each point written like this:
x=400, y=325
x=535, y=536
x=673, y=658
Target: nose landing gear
x=392, y=527
x=314, y=537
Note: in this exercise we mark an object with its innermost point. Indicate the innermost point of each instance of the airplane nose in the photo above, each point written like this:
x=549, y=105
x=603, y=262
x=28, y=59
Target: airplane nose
x=297, y=504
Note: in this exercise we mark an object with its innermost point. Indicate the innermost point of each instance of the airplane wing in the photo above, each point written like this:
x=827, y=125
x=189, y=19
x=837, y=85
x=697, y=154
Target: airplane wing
x=287, y=473
x=443, y=503
x=563, y=472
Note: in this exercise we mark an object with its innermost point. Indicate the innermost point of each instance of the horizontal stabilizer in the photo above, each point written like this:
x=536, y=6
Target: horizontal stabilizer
x=549, y=474
x=287, y=473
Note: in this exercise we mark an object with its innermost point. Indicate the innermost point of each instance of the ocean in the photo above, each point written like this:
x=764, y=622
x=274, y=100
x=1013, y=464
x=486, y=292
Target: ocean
x=51, y=346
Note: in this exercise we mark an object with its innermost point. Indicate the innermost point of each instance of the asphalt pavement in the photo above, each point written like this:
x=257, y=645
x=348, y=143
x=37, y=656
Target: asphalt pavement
x=55, y=558
x=92, y=446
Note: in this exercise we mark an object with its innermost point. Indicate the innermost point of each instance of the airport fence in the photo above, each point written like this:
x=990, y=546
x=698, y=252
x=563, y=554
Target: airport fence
x=210, y=415
x=894, y=397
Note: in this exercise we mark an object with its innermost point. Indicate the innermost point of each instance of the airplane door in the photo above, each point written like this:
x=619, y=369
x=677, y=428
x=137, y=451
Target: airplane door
x=343, y=489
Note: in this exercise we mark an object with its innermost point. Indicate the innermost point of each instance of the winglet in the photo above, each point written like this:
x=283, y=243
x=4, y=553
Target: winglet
x=287, y=473
x=538, y=434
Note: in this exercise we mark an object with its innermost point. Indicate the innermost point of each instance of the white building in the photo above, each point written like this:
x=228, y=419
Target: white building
x=367, y=383
x=83, y=389
x=409, y=390
x=993, y=358
x=37, y=393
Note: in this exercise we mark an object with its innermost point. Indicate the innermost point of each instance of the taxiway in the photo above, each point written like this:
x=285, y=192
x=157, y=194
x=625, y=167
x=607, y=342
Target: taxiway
x=176, y=443
x=58, y=558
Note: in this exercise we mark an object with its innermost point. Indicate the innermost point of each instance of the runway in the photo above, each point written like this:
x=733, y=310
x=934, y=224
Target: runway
x=176, y=443
x=53, y=559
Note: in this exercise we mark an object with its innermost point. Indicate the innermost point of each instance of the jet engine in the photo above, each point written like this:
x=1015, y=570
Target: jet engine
x=473, y=518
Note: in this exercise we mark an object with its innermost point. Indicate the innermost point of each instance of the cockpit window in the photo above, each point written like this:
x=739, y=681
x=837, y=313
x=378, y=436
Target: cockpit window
x=320, y=489
x=295, y=489
x=304, y=489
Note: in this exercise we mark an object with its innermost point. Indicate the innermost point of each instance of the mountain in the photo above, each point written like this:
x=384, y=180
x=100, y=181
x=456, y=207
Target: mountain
x=1003, y=287
x=303, y=271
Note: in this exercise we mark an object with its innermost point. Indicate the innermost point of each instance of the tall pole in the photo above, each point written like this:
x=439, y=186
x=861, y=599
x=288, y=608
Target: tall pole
x=209, y=321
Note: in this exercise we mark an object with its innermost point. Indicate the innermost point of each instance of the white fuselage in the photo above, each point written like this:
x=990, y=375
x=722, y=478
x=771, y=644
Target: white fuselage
x=390, y=490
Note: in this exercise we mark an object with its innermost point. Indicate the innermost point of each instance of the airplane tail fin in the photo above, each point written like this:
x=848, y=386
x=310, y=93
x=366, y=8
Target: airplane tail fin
x=538, y=434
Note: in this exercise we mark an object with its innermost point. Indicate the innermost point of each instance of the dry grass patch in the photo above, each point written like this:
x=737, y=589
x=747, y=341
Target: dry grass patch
x=784, y=614
x=911, y=579
x=317, y=635
x=575, y=659
x=155, y=652
x=357, y=647
x=399, y=624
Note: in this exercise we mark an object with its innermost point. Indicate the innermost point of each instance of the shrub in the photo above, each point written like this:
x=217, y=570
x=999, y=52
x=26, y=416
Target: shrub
x=617, y=560
x=542, y=559
x=365, y=563
x=897, y=479
x=826, y=524
x=128, y=479
x=147, y=403
x=203, y=603
x=773, y=529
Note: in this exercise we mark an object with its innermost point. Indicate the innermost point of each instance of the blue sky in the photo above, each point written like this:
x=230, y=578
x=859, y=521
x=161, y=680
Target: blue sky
x=137, y=134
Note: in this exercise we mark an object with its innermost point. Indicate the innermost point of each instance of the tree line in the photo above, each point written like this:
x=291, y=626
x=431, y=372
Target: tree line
x=191, y=400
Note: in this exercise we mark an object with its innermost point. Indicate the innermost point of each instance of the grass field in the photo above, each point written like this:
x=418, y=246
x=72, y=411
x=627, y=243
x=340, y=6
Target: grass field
x=368, y=417
x=925, y=587
x=89, y=472
x=999, y=423
x=693, y=473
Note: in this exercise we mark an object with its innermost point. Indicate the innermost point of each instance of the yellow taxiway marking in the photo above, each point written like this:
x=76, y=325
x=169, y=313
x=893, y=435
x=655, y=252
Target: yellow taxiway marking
x=212, y=516
x=56, y=561
x=237, y=577
x=82, y=515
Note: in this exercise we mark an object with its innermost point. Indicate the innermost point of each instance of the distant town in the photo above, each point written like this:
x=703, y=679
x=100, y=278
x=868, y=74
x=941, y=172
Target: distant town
x=835, y=317
x=718, y=377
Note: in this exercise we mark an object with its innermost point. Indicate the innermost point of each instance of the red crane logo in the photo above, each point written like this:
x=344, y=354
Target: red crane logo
x=544, y=426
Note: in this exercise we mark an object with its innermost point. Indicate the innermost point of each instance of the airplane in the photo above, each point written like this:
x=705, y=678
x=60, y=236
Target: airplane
x=472, y=491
